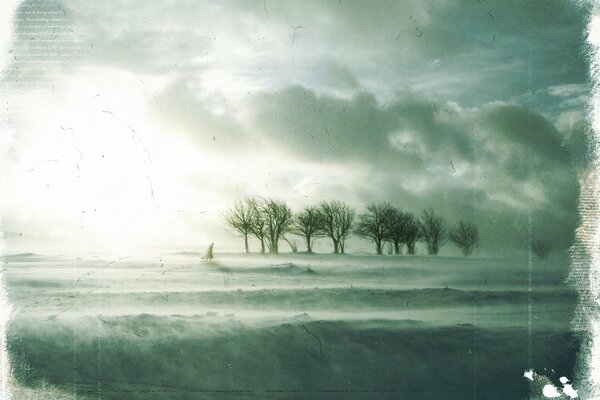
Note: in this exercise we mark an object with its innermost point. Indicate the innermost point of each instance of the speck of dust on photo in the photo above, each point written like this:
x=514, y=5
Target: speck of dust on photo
x=326, y=199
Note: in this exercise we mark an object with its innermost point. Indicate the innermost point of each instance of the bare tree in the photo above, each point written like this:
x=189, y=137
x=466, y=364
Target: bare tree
x=465, y=236
x=336, y=221
x=278, y=221
x=412, y=232
x=257, y=222
x=397, y=229
x=307, y=224
x=238, y=219
x=540, y=248
x=433, y=231
x=375, y=224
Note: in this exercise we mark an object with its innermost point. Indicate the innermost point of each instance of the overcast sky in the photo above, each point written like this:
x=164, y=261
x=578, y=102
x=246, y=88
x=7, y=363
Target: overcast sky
x=162, y=114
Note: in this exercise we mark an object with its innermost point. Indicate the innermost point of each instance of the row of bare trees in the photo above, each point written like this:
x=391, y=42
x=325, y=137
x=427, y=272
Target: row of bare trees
x=382, y=222
x=270, y=220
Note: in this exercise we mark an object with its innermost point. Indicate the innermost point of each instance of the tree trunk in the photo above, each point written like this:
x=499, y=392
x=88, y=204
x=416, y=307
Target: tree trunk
x=335, y=247
x=378, y=247
x=342, y=245
x=246, y=243
x=308, y=245
x=293, y=245
x=410, y=249
x=273, y=244
x=262, y=245
x=435, y=249
x=397, y=248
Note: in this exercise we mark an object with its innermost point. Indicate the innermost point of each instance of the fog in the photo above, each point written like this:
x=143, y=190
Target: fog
x=291, y=324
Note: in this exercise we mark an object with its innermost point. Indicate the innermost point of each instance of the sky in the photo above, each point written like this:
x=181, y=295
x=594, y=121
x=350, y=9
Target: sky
x=134, y=126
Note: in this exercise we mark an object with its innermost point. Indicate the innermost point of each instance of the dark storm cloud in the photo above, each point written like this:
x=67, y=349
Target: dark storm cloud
x=321, y=126
x=500, y=162
x=362, y=127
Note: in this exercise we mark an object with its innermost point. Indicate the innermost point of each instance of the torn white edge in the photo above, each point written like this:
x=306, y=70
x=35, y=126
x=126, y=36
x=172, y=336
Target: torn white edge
x=585, y=254
x=7, y=15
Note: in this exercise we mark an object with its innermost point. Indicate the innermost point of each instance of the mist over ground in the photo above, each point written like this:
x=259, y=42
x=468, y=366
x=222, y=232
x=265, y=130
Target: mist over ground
x=290, y=326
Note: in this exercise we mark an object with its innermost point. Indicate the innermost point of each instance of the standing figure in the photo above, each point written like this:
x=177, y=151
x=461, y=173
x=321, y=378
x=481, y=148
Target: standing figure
x=208, y=254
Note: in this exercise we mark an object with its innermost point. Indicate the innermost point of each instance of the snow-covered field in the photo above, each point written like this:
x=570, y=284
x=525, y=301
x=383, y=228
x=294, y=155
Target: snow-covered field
x=289, y=326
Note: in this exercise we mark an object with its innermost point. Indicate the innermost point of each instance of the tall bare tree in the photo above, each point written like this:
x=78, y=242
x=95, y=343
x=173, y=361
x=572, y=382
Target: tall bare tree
x=412, y=232
x=375, y=224
x=278, y=221
x=397, y=229
x=433, y=231
x=336, y=221
x=307, y=224
x=238, y=219
x=465, y=236
x=257, y=222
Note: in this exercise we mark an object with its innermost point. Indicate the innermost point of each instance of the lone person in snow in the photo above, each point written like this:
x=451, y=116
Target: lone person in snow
x=208, y=254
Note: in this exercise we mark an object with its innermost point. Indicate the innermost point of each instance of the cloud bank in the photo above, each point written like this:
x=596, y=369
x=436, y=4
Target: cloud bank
x=168, y=112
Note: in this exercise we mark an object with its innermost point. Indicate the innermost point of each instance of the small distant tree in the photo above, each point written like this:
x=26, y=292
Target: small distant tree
x=337, y=219
x=540, y=248
x=257, y=222
x=308, y=225
x=465, y=236
x=374, y=224
x=278, y=221
x=433, y=231
x=238, y=219
x=412, y=232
